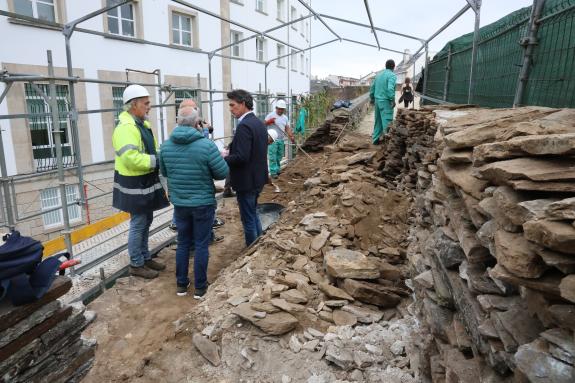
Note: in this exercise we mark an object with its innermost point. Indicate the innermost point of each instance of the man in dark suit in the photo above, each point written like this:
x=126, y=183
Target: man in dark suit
x=247, y=160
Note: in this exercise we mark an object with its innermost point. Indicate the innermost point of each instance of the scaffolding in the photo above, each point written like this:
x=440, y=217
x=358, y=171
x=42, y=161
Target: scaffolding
x=8, y=202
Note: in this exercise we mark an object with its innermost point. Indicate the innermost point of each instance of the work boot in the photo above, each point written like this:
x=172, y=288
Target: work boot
x=151, y=264
x=143, y=272
x=228, y=193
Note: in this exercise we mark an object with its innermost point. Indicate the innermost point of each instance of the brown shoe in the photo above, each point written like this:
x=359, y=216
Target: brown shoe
x=143, y=272
x=151, y=264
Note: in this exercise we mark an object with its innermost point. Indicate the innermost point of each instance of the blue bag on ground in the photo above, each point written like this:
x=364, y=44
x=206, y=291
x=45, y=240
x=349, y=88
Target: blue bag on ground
x=24, y=277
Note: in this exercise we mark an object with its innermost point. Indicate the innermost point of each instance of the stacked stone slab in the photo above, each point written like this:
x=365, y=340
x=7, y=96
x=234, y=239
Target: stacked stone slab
x=42, y=342
x=495, y=261
x=337, y=123
x=408, y=150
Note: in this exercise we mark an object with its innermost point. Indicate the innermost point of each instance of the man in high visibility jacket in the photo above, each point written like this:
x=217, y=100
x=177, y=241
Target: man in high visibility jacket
x=137, y=187
x=382, y=95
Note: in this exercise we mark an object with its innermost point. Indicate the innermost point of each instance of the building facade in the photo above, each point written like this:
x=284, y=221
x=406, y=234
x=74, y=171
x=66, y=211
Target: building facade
x=145, y=41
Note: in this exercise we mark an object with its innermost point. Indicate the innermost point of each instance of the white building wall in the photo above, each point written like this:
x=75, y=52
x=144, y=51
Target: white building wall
x=92, y=53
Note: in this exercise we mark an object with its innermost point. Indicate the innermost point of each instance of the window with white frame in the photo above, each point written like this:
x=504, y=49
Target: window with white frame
x=301, y=63
x=293, y=60
x=260, y=49
x=38, y=9
x=293, y=16
x=236, y=48
x=117, y=102
x=261, y=6
x=281, y=52
x=50, y=199
x=281, y=10
x=184, y=94
x=182, y=29
x=121, y=20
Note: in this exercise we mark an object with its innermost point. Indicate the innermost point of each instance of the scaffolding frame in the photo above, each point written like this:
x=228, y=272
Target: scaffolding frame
x=68, y=30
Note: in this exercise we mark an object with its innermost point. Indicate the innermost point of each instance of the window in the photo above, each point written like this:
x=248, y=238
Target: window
x=121, y=20
x=301, y=63
x=260, y=49
x=293, y=16
x=181, y=29
x=260, y=6
x=237, y=48
x=261, y=107
x=281, y=10
x=183, y=94
x=302, y=30
x=293, y=60
x=117, y=102
x=38, y=9
x=50, y=198
x=43, y=145
x=306, y=31
x=281, y=52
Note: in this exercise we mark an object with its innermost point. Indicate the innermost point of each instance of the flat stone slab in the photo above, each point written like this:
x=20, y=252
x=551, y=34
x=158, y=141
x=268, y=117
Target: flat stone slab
x=564, y=209
x=534, y=169
x=539, y=366
x=371, y=293
x=207, y=348
x=527, y=185
x=273, y=324
x=334, y=292
x=344, y=263
x=518, y=255
x=293, y=296
x=567, y=288
x=344, y=318
x=558, y=236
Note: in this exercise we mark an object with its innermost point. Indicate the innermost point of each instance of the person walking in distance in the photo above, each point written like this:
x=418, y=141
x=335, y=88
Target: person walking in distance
x=406, y=93
x=382, y=95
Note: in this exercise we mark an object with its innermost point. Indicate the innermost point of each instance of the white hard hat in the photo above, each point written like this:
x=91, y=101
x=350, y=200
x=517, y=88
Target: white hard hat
x=134, y=91
x=273, y=134
x=281, y=104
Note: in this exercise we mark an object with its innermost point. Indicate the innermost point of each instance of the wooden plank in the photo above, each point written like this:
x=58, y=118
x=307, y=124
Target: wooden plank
x=58, y=244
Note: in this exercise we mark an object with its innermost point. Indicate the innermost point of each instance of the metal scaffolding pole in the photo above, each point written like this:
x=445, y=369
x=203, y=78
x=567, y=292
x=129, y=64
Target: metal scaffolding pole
x=447, y=72
x=476, y=5
x=371, y=23
x=318, y=16
x=57, y=131
x=529, y=42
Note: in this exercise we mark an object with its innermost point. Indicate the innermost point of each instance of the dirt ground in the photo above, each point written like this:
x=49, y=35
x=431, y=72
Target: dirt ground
x=135, y=318
x=144, y=330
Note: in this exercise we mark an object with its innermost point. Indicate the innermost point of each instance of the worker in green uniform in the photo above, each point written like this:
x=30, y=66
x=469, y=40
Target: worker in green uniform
x=382, y=95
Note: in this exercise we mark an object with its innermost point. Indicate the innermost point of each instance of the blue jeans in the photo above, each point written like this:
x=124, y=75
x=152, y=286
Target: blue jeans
x=138, y=238
x=248, y=202
x=194, y=231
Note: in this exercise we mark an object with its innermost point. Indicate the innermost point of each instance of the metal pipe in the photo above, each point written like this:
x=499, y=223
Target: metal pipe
x=472, y=69
x=376, y=28
x=5, y=91
x=5, y=187
x=259, y=34
x=306, y=49
x=371, y=23
x=69, y=27
x=528, y=43
x=186, y=4
x=162, y=133
x=210, y=87
x=371, y=45
x=9, y=79
x=425, y=74
x=302, y=2
x=451, y=21
x=73, y=117
x=58, y=143
x=447, y=72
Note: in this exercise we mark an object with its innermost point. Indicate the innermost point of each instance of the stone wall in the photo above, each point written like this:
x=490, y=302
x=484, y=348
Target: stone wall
x=41, y=341
x=492, y=250
x=339, y=120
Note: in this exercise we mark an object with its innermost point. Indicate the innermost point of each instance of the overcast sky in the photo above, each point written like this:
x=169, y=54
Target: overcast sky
x=420, y=18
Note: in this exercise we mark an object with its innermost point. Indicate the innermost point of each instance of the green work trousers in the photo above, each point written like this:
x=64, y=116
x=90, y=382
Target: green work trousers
x=383, y=116
x=276, y=152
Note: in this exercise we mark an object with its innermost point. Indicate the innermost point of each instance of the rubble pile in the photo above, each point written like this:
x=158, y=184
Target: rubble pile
x=326, y=281
x=493, y=255
x=41, y=341
x=407, y=155
x=337, y=122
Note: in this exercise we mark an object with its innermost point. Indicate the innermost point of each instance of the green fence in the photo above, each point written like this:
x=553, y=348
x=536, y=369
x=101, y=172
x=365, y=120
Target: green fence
x=500, y=56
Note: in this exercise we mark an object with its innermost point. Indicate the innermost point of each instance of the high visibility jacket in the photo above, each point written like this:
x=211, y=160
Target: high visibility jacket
x=131, y=157
x=383, y=86
x=137, y=187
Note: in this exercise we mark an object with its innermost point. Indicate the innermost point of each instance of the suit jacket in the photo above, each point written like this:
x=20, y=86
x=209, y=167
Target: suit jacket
x=248, y=155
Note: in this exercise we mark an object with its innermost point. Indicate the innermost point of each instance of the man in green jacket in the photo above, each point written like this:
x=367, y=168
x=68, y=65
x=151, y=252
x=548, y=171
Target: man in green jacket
x=191, y=162
x=382, y=95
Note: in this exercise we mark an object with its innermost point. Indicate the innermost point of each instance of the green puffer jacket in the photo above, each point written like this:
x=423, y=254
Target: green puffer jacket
x=191, y=162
